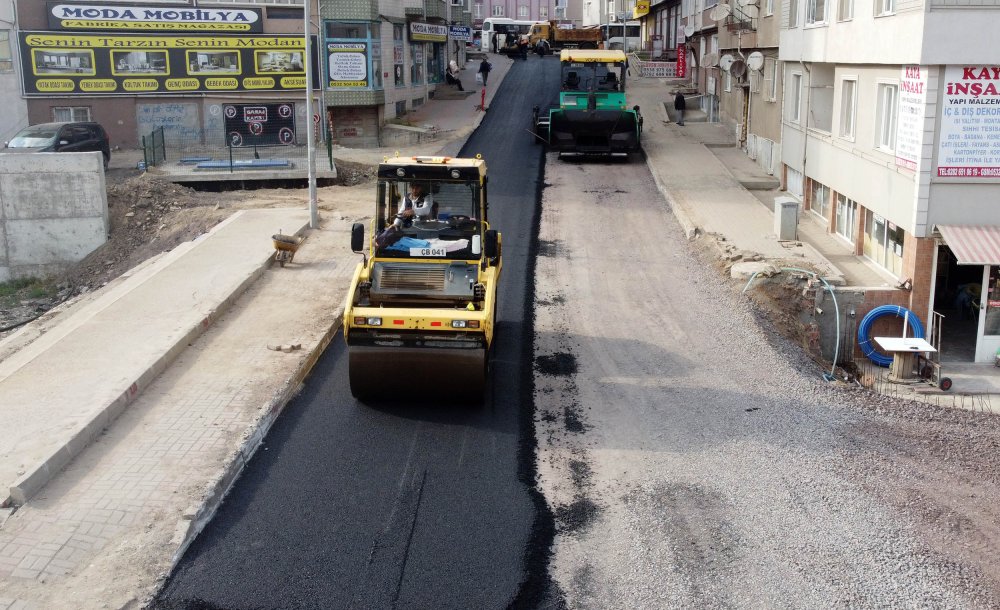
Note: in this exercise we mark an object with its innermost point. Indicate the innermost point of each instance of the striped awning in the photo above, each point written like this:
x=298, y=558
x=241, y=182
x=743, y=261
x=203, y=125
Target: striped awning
x=972, y=244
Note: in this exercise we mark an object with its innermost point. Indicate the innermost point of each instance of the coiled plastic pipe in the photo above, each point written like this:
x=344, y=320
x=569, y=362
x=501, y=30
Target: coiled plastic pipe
x=865, y=330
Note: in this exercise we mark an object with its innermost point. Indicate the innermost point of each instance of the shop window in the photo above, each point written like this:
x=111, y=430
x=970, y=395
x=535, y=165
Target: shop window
x=847, y=217
x=417, y=67
x=883, y=243
x=71, y=114
x=376, y=64
x=993, y=303
x=435, y=63
x=285, y=13
x=820, y=199
x=350, y=31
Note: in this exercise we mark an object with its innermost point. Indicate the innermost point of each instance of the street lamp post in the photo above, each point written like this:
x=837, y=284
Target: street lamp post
x=310, y=144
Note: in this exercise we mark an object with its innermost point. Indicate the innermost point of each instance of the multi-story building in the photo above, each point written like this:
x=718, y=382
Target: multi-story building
x=891, y=136
x=16, y=110
x=138, y=65
x=384, y=58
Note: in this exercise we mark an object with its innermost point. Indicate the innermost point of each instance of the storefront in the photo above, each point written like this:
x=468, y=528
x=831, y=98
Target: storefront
x=133, y=68
x=968, y=286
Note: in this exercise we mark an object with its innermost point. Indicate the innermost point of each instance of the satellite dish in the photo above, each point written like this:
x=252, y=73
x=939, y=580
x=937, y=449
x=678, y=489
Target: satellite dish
x=725, y=61
x=688, y=30
x=720, y=12
x=712, y=59
x=738, y=68
x=755, y=61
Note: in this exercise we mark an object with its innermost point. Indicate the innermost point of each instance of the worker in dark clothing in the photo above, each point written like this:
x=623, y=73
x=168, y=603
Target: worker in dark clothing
x=680, y=106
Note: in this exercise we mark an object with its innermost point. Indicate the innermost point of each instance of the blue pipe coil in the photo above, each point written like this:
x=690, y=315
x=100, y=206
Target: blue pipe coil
x=865, y=331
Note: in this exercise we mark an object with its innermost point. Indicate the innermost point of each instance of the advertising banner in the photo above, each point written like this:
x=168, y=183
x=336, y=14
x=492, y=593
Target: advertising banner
x=682, y=61
x=428, y=32
x=969, y=146
x=125, y=17
x=116, y=64
x=348, y=65
x=910, y=124
x=250, y=125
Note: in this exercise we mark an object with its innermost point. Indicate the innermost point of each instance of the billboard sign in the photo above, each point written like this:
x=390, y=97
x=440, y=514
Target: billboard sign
x=969, y=146
x=910, y=125
x=57, y=63
x=124, y=17
x=250, y=125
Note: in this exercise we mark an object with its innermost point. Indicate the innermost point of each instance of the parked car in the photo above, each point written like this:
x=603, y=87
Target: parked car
x=62, y=137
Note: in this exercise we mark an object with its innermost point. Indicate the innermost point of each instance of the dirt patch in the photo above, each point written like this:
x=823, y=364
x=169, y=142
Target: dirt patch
x=148, y=215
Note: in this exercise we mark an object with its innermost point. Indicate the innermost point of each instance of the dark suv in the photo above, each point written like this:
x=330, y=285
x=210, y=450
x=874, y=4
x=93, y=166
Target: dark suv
x=62, y=137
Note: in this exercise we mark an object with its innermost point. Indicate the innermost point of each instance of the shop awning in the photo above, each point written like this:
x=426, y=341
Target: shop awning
x=972, y=244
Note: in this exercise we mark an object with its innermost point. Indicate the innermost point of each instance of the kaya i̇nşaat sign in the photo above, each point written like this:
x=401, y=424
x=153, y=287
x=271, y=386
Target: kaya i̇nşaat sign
x=969, y=146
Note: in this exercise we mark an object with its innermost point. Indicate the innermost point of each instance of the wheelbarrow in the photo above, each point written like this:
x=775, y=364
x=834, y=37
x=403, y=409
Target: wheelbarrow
x=285, y=247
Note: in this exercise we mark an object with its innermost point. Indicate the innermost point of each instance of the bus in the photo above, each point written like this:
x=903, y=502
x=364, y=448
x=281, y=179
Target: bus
x=617, y=33
x=503, y=26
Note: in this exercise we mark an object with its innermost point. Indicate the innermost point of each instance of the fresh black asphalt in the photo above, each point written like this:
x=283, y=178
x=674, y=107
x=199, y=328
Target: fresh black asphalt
x=404, y=505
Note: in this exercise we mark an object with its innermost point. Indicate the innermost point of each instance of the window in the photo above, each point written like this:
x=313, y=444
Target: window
x=522, y=11
x=727, y=81
x=820, y=201
x=754, y=78
x=885, y=7
x=417, y=67
x=770, y=79
x=498, y=10
x=6, y=59
x=815, y=11
x=477, y=10
x=848, y=105
x=74, y=114
x=768, y=7
x=795, y=97
x=346, y=30
x=847, y=217
x=398, y=61
x=883, y=242
x=543, y=12
x=793, y=14
x=845, y=10
x=885, y=117
x=285, y=13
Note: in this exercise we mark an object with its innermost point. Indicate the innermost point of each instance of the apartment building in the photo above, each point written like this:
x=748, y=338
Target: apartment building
x=890, y=135
x=384, y=58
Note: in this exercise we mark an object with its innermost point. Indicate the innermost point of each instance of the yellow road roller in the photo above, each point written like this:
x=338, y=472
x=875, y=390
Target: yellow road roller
x=420, y=314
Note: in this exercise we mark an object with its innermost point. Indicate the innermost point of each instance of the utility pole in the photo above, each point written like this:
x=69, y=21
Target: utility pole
x=310, y=125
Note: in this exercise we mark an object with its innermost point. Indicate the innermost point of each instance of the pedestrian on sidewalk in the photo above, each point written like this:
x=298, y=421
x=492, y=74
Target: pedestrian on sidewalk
x=484, y=69
x=452, y=75
x=680, y=106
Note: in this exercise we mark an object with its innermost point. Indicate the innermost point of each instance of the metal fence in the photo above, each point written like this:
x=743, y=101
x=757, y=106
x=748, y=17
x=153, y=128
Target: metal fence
x=244, y=137
x=154, y=148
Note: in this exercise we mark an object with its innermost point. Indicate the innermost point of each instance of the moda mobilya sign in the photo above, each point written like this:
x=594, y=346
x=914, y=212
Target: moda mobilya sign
x=124, y=17
x=428, y=32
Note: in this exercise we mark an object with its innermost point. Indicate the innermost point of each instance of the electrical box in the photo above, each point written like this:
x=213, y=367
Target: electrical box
x=786, y=218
